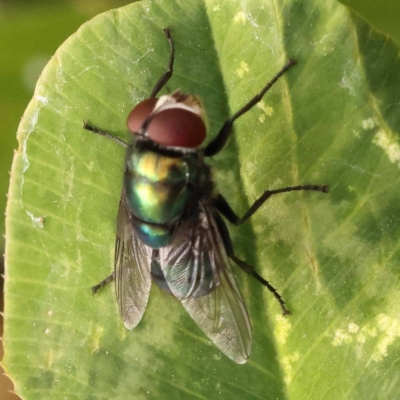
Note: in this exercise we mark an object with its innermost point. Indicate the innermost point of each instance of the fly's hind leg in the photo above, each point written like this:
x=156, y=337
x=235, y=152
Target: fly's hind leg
x=251, y=271
x=247, y=267
x=104, y=282
x=225, y=209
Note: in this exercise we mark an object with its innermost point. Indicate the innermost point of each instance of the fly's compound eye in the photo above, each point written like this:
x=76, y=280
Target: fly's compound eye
x=140, y=114
x=177, y=127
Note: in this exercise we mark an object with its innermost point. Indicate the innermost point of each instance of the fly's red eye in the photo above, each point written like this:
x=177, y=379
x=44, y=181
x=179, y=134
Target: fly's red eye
x=139, y=114
x=178, y=128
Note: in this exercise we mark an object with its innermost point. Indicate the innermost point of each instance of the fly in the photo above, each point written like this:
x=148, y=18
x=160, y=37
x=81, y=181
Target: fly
x=170, y=227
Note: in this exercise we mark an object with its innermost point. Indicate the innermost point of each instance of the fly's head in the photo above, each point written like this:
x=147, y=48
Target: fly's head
x=174, y=121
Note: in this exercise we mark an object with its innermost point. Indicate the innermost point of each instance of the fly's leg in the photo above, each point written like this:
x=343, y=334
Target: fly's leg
x=219, y=142
x=91, y=128
x=168, y=73
x=247, y=267
x=225, y=209
x=251, y=271
x=158, y=86
x=104, y=282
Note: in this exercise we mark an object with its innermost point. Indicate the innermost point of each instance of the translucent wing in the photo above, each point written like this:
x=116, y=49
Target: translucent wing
x=132, y=269
x=197, y=270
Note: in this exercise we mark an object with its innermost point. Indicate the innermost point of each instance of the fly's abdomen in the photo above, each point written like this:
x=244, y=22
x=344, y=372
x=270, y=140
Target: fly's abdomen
x=157, y=193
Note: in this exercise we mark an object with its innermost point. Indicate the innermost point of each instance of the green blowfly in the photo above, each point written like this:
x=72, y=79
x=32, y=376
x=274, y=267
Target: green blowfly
x=170, y=227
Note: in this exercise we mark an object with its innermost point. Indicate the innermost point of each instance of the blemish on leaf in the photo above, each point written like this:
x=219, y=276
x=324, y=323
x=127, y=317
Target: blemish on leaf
x=267, y=109
x=351, y=79
x=96, y=335
x=369, y=123
x=381, y=333
x=85, y=70
x=32, y=125
x=69, y=180
x=287, y=364
x=243, y=69
x=389, y=328
x=282, y=328
x=354, y=334
x=341, y=337
x=24, y=144
x=217, y=357
x=353, y=328
x=240, y=18
x=38, y=222
x=142, y=56
x=387, y=142
x=361, y=338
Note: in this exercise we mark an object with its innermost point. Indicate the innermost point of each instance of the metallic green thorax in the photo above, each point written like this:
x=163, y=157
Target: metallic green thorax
x=159, y=187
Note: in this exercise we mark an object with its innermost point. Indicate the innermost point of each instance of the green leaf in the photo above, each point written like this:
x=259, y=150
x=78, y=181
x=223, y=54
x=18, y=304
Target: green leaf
x=333, y=119
x=20, y=69
x=383, y=15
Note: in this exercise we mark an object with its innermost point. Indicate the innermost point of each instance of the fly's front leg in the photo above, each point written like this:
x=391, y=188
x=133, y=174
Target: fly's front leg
x=165, y=77
x=225, y=209
x=219, y=142
x=91, y=128
x=104, y=282
x=158, y=86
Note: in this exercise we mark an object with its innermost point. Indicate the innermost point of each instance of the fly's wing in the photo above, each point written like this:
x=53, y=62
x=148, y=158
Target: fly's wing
x=132, y=269
x=198, y=272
